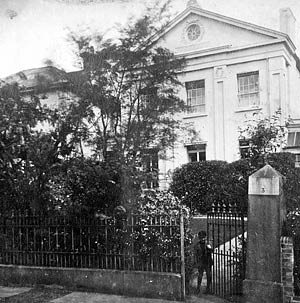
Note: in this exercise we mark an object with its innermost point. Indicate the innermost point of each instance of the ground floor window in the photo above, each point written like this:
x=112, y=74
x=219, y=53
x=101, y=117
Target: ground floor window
x=150, y=167
x=293, y=144
x=244, y=147
x=297, y=162
x=196, y=152
x=293, y=139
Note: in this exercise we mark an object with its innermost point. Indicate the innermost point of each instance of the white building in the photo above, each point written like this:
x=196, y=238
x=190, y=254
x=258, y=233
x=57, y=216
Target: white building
x=234, y=69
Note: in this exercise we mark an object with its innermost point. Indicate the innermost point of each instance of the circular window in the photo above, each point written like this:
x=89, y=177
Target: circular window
x=193, y=32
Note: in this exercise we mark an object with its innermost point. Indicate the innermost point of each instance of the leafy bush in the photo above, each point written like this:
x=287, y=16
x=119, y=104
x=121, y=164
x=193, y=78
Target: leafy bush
x=199, y=184
x=85, y=186
x=161, y=242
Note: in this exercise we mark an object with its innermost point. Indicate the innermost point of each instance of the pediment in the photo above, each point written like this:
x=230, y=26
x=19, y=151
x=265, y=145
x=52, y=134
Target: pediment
x=197, y=29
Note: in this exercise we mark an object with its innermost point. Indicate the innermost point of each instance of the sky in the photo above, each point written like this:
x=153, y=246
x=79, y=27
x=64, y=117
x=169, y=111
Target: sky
x=32, y=31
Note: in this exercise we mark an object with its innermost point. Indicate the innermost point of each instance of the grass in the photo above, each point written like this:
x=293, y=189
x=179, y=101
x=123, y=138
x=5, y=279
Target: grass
x=39, y=294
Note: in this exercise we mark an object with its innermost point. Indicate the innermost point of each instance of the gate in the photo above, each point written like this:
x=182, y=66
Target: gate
x=227, y=233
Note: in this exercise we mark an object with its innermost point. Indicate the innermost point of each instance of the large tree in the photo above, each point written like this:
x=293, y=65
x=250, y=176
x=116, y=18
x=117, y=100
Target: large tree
x=128, y=94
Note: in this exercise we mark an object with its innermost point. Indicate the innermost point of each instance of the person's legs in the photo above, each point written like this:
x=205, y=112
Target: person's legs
x=200, y=275
x=209, y=278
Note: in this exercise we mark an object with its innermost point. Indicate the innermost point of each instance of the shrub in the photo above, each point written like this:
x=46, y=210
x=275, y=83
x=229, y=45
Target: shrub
x=161, y=242
x=85, y=186
x=199, y=184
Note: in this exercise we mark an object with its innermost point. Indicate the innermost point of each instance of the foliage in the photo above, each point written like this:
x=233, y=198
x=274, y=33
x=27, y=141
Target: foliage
x=240, y=263
x=126, y=102
x=127, y=93
x=29, y=156
x=199, y=184
x=84, y=186
x=202, y=183
x=265, y=136
x=167, y=207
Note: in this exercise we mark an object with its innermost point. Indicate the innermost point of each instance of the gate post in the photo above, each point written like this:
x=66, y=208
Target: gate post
x=266, y=216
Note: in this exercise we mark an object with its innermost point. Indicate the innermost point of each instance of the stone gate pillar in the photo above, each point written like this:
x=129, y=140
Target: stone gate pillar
x=266, y=216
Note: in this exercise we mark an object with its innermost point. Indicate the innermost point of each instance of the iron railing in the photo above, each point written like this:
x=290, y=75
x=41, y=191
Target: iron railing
x=132, y=243
x=227, y=233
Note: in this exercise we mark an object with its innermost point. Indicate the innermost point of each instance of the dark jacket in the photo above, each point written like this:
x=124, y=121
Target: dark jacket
x=203, y=254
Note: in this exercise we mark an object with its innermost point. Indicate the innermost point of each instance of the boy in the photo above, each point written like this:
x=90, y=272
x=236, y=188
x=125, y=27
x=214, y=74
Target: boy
x=203, y=260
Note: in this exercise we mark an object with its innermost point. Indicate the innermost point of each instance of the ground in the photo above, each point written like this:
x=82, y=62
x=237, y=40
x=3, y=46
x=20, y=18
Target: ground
x=56, y=294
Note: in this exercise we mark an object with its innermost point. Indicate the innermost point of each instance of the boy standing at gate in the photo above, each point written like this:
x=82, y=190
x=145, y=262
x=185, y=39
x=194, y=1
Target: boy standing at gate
x=203, y=260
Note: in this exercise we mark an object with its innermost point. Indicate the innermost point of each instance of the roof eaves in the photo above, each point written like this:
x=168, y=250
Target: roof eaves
x=229, y=49
x=235, y=22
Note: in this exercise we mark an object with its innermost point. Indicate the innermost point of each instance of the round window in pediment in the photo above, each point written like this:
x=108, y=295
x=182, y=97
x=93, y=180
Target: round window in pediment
x=193, y=32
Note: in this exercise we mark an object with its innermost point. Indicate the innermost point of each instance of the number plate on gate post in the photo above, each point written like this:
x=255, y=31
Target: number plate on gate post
x=264, y=186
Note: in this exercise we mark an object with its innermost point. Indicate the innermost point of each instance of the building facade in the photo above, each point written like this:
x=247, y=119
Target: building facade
x=235, y=71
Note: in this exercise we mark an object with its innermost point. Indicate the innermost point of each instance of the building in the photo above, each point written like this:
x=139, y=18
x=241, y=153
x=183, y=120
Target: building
x=234, y=70
x=49, y=82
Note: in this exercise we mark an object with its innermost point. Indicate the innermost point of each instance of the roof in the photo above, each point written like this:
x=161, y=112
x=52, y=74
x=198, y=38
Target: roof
x=31, y=78
x=221, y=18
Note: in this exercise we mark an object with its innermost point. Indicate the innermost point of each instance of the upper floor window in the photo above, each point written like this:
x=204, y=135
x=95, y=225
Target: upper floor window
x=196, y=152
x=248, y=89
x=195, y=96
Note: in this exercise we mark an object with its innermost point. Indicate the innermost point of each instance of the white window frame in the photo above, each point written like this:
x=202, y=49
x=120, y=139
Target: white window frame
x=248, y=89
x=195, y=91
x=196, y=149
x=297, y=160
x=150, y=164
x=244, y=145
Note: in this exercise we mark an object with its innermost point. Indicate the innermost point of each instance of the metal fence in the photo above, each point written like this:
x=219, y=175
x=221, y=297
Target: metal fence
x=131, y=243
x=227, y=232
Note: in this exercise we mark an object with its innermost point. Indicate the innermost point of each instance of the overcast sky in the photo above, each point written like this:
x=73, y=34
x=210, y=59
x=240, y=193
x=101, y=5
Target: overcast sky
x=34, y=30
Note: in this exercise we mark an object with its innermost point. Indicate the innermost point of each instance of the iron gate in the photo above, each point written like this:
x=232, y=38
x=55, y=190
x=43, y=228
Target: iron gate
x=226, y=229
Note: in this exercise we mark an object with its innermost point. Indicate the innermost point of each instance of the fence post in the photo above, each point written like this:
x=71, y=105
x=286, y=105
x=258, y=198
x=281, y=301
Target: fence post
x=266, y=216
x=182, y=257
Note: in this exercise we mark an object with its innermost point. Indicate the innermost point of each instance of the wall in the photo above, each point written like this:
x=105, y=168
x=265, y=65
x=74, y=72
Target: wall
x=287, y=266
x=219, y=126
x=144, y=284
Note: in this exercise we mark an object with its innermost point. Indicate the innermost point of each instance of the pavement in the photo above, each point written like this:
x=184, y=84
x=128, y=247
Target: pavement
x=6, y=292
x=80, y=297
x=89, y=297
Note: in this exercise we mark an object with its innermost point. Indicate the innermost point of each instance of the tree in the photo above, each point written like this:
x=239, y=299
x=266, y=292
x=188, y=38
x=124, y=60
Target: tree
x=265, y=136
x=128, y=95
x=29, y=156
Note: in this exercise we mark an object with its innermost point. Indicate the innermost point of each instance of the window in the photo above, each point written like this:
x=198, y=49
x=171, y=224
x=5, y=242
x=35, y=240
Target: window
x=150, y=167
x=244, y=146
x=193, y=32
x=293, y=145
x=248, y=89
x=195, y=96
x=293, y=139
x=297, y=162
x=196, y=152
x=148, y=98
